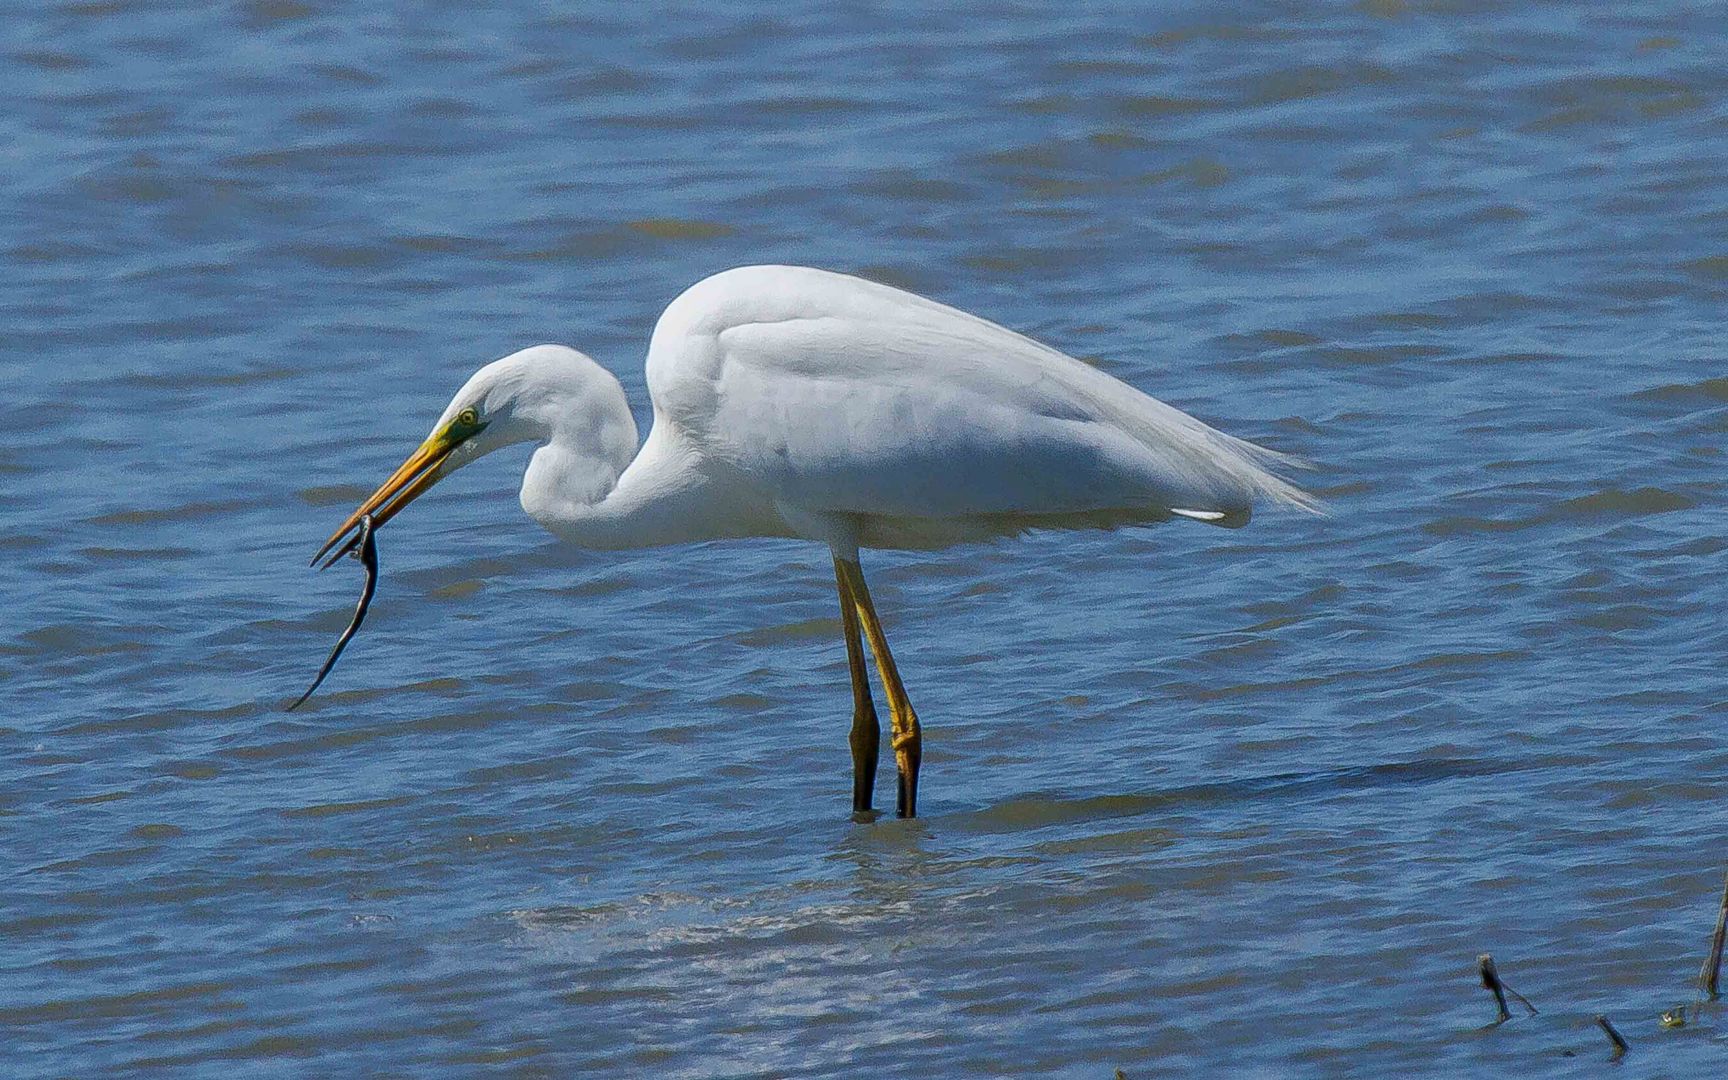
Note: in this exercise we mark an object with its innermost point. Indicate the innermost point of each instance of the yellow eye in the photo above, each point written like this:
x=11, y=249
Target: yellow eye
x=467, y=418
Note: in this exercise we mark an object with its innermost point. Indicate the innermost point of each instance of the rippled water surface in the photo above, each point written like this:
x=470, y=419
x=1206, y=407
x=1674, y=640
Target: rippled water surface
x=1196, y=802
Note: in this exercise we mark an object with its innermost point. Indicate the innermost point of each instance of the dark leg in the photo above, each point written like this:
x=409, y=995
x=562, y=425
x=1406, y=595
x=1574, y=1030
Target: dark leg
x=908, y=742
x=866, y=738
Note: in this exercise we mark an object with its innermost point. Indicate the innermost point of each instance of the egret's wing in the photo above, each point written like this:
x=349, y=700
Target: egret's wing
x=849, y=396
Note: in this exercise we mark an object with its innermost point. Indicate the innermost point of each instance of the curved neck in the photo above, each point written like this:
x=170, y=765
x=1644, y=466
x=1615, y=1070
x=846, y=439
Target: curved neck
x=660, y=497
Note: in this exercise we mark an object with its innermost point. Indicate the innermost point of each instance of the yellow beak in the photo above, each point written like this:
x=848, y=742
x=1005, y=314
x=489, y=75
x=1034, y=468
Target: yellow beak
x=406, y=484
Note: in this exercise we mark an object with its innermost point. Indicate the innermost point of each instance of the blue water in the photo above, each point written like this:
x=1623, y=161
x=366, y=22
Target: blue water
x=1194, y=802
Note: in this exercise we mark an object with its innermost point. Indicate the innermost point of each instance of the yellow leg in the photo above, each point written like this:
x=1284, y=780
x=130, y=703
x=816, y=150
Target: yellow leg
x=906, y=742
x=866, y=736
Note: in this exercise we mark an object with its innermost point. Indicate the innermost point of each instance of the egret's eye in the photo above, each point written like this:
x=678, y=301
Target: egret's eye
x=467, y=418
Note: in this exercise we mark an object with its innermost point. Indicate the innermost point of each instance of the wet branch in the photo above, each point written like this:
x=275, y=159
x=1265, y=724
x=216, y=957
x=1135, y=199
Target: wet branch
x=1710, y=976
x=1491, y=981
x=1614, y=1037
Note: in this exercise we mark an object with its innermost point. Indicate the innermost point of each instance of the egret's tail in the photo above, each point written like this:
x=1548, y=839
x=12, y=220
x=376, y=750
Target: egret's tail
x=1261, y=474
x=1244, y=474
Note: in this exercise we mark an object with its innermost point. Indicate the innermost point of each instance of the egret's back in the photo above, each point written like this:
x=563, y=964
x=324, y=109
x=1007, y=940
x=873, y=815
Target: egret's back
x=837, y=395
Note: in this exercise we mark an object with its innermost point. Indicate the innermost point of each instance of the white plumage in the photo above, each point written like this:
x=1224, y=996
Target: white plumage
x=802, y=403
x=797, y=402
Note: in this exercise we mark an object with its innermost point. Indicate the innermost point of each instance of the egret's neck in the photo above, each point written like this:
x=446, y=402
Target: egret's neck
x=660, y=497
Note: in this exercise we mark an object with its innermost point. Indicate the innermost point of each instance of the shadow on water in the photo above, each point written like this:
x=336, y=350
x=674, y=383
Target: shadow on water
x=1035, y=811
x=889, y=864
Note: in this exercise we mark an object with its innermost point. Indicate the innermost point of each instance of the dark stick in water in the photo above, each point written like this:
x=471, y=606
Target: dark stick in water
x=1491, y=980
x=369, y=559
x=1614, y=1037
x=1710, y=978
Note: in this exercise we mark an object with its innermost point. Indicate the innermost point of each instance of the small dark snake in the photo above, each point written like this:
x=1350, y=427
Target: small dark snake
x=369, y=559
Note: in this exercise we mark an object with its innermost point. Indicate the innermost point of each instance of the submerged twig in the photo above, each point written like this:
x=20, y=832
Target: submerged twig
x=1491, y=980
x=368, y=545
x=1614, y=1037
x=1710, y=976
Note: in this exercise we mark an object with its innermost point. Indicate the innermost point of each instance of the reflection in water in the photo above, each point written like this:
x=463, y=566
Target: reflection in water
x=891, y=864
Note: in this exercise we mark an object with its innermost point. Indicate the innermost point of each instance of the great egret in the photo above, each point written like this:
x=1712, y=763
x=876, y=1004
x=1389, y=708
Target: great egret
x=793, y=402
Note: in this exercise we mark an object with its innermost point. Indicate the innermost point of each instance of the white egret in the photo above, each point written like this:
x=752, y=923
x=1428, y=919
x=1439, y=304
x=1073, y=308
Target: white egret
x=792, y=402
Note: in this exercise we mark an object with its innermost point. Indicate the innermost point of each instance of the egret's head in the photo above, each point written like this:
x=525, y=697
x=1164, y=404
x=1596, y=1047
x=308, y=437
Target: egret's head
x=527, y=395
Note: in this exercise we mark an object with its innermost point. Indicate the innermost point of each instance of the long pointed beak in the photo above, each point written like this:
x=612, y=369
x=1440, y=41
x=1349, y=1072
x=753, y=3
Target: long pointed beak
x=406, y=484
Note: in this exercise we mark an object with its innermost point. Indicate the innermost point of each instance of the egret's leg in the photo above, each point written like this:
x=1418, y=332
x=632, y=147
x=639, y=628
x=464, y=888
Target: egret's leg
x=907, y=743
x=866, y=736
